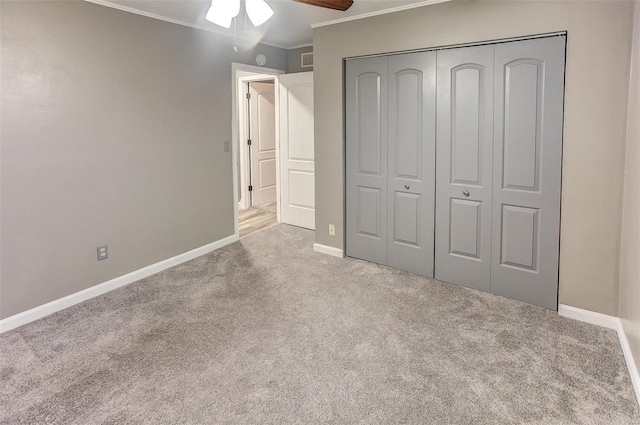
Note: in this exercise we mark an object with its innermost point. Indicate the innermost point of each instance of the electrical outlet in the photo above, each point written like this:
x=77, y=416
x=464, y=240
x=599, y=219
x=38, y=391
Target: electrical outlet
x=103, y=252
x=332, y=230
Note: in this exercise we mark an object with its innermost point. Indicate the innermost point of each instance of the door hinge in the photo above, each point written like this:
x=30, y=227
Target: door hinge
x=249, y=142
x=248, y=95
x=250, y=188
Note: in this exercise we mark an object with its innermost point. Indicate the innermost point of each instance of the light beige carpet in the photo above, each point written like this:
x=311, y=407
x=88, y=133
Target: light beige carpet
x=265, y=331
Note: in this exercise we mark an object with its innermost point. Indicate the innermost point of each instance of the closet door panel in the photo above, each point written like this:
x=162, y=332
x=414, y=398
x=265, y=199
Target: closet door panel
x=411, y=162
x=464, y=166
x=529, y=92
x=366, y=159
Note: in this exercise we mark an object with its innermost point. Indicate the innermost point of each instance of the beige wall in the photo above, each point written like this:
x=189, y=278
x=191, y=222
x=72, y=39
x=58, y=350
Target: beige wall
x=295, y=64
x=599, y=42
x=112, y=132
x=630, y=254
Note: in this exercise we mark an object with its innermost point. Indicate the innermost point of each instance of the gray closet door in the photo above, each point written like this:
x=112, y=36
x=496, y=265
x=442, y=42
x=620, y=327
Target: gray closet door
x=464, y=166
x=366, y=159
x=411, y=162
x=529, y=81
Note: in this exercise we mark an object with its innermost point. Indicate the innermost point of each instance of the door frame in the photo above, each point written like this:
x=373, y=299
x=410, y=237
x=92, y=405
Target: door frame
x=242, y=75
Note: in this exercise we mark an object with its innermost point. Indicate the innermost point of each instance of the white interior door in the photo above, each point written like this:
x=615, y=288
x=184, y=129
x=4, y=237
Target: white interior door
x=262, y=133
x=297, y=181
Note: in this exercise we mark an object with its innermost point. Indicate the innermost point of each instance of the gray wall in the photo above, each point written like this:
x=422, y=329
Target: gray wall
x=630, y=253
x=599, y=43
x=295, y=64
x=112, y=132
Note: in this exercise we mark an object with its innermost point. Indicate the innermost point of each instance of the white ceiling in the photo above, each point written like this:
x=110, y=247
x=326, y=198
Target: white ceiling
x=289, y=27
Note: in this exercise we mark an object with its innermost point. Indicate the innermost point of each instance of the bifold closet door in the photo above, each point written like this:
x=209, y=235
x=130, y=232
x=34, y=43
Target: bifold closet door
x=490, y=168
x=366, y=159
x=527, y=164
x=464, y=166
x=390, y=160
x=411, y=162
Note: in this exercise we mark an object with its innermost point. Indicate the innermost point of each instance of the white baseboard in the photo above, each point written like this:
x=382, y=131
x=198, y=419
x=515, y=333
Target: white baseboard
x=628, y=356
x=610, y=322
x=588, y=316
x=39, y=312
x=329, y=250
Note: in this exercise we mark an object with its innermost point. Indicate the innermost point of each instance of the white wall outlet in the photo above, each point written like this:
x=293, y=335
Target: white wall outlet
x=332, y=230
x=103, y=252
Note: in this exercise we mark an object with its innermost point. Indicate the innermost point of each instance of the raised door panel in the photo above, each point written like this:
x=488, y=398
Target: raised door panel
x=300, y=111
x=366, y=159
x=464, y=166
x=411, y=162
x=407, y=219
x=406, y=95
x=267, y=170
x=522, y=120
x=368, y=115
x=368, y=204
x=297, y=181
x=465, y=236
x=467, y=97
x=301, y=189
x=529, y=91
x=266, y=119
x=520, y=237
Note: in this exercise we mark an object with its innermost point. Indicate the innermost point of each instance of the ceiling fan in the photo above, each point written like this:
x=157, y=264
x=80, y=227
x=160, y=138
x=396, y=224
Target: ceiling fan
x=222, y=12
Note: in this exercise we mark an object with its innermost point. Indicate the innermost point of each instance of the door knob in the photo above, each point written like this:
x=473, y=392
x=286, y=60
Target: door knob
x=406, y=186
x=465, y=192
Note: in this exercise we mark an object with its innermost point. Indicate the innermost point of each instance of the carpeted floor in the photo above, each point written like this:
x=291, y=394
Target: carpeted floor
x=265, y=331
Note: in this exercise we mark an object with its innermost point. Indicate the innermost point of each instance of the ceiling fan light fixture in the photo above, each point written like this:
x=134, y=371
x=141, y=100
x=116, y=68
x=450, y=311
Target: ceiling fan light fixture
x=258, y=11
x=217, y=18
x=222, y=12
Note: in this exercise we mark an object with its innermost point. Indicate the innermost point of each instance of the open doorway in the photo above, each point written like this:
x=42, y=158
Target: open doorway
x=256, y=144
x=260, y=169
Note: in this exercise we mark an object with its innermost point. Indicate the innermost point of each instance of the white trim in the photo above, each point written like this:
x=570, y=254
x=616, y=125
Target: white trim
x=329, y=250
x=628, y=356
x=588, y=316
x=123, y=8
x=610, y=322
x=39, y=312
x=377, y=13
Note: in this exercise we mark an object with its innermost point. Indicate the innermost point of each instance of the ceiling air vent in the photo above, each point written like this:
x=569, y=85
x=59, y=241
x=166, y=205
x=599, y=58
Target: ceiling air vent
x=307, y=60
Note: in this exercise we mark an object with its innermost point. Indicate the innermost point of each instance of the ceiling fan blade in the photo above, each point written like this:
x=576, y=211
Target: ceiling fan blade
x=329, y=4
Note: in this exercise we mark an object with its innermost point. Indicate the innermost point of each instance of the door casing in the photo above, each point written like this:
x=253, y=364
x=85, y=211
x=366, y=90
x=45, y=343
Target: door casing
x=242, y=74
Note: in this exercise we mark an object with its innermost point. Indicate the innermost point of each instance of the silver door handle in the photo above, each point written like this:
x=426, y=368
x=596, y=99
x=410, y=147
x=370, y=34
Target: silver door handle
x=406, y=186
x=465, y=192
